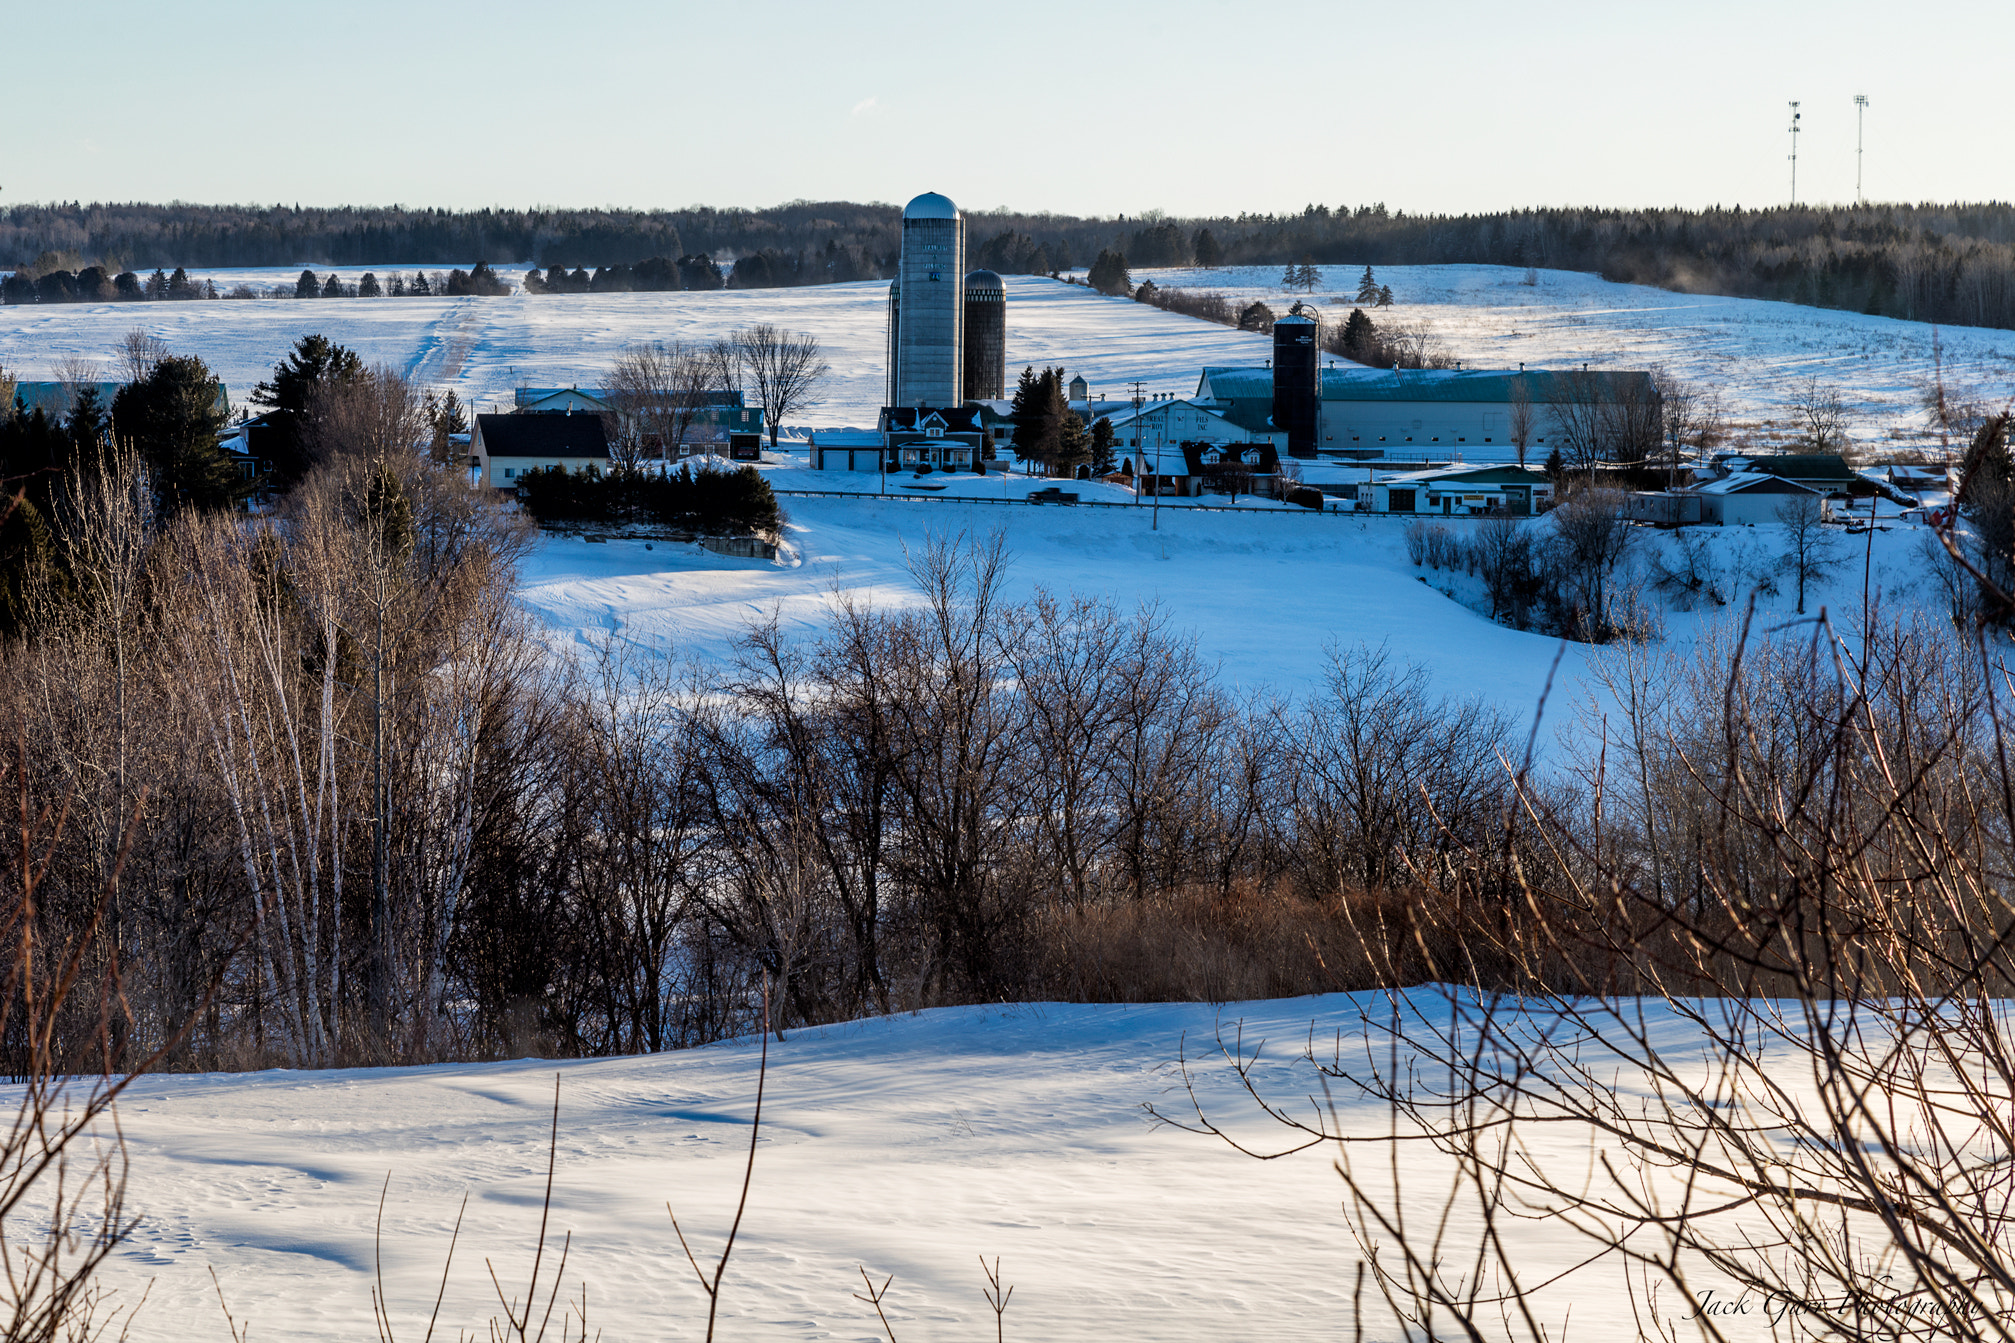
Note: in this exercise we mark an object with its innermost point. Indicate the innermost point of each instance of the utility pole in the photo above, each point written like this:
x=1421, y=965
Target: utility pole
x=1860, y=110
x=1139, y=399
x=1794, y=153
x=1154, y=525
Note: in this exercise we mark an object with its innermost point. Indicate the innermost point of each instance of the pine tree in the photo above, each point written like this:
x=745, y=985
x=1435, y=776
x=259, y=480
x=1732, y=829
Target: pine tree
x=420, y=286
x=1367, y=288
x=1209, y=253
x=1307, y=276
x=1385, y=296
x=173, y=417
x=397, y=289
x=1102, y=442
x=1109, y=274
x=334, y=288
x=157, y=284
x=1359, y=341
x=1290, y=277
x=179, y=286
x=368, y=286
x=287, y=443
x=1073, y=447
x=306, y=286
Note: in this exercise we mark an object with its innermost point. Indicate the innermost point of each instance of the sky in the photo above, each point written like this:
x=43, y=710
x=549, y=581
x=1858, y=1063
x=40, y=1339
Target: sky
x=1192, y=107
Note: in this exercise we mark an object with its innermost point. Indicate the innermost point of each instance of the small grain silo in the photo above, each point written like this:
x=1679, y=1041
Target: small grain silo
x=986, y=337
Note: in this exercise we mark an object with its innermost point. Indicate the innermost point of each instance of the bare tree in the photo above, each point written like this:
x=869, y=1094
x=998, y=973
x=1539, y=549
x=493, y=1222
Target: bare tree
x=1578, y=418
x=1809, y=545
x=1591, y=533
x=1519, y=417
x=784, y=370
x=1822, y=417
x=658, y=391
x=1692, y=418
x=378, y=415
x=75, y=373
x=139, y=351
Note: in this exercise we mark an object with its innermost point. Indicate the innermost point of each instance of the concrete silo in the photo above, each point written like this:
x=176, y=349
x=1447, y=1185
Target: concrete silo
x=985, y=337
x=927, y=310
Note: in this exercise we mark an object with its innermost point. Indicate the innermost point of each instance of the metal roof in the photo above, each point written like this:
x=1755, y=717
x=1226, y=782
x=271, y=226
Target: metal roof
x=1358, y=383
x=930, y=205
x=542, y=435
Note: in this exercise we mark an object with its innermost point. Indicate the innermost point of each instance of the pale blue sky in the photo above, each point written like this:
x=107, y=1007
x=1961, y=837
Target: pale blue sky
x=1189, y=106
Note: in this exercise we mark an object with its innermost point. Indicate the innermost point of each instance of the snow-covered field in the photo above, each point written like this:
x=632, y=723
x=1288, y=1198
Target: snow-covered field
x=1756, y=353
x=908, y=1145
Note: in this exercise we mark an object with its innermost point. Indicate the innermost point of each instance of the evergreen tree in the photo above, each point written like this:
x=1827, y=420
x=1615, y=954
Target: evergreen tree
x=26, y=554
x=1359, y=342
x=286, y=443
x=128, y=287
x=420, y=285
x=86, y=424
x=1291, y=276
x=1385, y=296
x=1073, y=443
x=1308, y=275
x=1555, y=468
x=157, y=285
x=1147, y=292
x=334, y=287
x=368, y=286
x=1109, y=274
x=1367, y=288
x=173, y=416
x=179, y=286
x=1102, y=441
x=1255, y=316
x=306, y=286
x=1209, y=252
x=397, y=288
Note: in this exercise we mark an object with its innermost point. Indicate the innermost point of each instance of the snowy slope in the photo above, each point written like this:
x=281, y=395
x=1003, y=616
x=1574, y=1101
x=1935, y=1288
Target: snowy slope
x=910, y=1145
x=1757, y=353
x=486, y=347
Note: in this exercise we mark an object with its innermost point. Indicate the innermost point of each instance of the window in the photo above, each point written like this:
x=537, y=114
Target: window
x=509, y=472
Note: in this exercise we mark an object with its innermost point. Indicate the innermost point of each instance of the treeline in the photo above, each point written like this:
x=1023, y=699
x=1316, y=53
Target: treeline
x=1928, y=262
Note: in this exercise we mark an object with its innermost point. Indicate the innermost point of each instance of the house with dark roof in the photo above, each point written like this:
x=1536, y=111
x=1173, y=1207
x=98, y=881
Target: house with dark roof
x=504, y=447
x=719, y=422
x=1433, y=412
x=944, y=438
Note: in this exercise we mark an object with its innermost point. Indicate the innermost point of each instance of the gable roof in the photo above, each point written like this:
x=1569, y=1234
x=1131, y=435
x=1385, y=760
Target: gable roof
x=542, y=435
x=957, y=419
x=1493, y=474
x=1754, y=482
x=1793, y=466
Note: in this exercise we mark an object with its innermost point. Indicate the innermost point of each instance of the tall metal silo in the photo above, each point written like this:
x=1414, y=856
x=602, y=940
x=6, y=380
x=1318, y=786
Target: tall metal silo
x=930, y=337
x=1297, y=386
x=986, y=337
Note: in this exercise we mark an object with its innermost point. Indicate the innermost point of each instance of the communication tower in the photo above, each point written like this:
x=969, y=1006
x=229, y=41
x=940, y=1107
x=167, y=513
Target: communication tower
x=1860, y=108
x=1794, y=153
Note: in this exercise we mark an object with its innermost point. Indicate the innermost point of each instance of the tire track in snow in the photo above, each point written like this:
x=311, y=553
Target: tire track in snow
x=447, y=345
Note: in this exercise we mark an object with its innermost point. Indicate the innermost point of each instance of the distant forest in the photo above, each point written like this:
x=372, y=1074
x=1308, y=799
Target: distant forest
x=1942, y=263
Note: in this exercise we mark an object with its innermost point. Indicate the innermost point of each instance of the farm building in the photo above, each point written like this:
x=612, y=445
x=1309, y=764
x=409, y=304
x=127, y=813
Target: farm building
x=1750, y=498
x=1168, y=421
x=1459, y=491
x=1391, y=412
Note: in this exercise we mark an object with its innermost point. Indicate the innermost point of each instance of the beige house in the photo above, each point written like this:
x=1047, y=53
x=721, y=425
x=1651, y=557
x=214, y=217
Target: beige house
x=505, y=447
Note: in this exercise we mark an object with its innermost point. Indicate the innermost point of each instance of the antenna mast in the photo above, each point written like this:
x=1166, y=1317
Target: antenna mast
x=1794, y=153
x=1860, y=109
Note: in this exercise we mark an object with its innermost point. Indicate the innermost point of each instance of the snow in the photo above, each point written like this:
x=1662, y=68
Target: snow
x=485, y=348
x=911, y=1145
x=1757, y=354
x=1264, y=591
